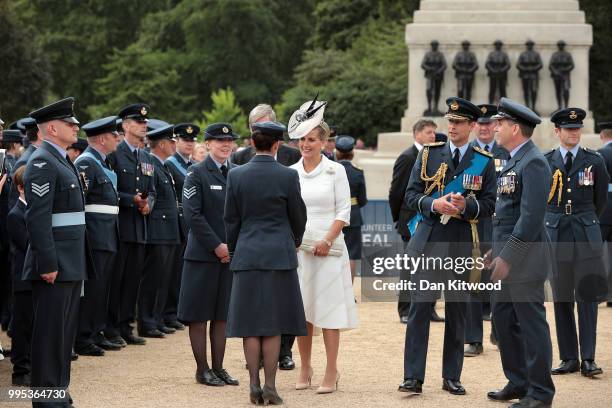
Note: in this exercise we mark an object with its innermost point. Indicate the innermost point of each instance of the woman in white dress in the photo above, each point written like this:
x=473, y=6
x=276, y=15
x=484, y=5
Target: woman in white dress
x=324, y=270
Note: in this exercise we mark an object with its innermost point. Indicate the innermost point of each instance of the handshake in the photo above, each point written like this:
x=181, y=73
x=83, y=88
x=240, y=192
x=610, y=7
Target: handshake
x=141, y=202
x=449, y=204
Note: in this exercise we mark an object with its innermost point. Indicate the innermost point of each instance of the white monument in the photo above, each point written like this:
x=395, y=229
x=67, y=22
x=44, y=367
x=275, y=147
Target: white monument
x=481, y=22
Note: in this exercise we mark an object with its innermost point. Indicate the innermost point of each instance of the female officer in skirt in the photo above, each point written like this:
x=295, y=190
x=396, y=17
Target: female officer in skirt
x=265, y=219
x=206, y=281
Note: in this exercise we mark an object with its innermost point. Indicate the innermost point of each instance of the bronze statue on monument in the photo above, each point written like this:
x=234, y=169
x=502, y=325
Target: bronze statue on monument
x=465, y=65
x=497, y=65
x=434, y=65
x=561, y=66
x=529, y=64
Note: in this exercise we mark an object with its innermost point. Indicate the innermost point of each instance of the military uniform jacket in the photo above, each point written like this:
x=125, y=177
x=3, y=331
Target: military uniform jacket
x=286, y=155
x=485, y=225
x=163, y=221
x=203, y=204
x=178, y=174
x=22, y=161
x=584, y=193
x=519, y=236
x=402, y=169
x=18, y=236
x=55, y=218
x=101, y=203
x=606, y=152
x=358, y=192
x=478, y=206
x=265, y=215
x=133, y=176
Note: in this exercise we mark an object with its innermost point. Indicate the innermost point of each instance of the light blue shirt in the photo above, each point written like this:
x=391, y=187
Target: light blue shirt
x=482, y=145
x=219, y=164
x=102, y=155
x=517, y=148
x=61, y=151
x=462, y=149
x=158, y=158
x=564, y=151
x=132, y=148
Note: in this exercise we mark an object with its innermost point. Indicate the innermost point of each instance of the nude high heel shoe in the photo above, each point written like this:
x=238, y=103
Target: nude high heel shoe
x=329, y=390
x=306, y=385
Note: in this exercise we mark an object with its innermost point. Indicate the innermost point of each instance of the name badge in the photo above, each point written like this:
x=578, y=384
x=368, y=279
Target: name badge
x=214, y=187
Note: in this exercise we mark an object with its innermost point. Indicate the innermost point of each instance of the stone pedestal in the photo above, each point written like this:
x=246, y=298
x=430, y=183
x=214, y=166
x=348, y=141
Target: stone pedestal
x=481, y=22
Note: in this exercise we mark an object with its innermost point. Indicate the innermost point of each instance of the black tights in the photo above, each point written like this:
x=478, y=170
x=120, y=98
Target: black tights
x=254, y=347
x=197, y=337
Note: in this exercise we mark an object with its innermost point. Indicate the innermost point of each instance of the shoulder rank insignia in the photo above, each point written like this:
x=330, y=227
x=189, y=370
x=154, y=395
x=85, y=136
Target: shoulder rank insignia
x=435, y=144
x=482, y=151
x=189, y=192
x=40, y=189
x=39, y=165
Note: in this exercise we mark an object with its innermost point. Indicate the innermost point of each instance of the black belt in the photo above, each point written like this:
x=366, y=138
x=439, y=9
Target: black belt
x=569, y=208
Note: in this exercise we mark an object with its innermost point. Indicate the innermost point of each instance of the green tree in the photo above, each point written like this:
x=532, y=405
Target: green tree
x=23, y=69
x=225, y=109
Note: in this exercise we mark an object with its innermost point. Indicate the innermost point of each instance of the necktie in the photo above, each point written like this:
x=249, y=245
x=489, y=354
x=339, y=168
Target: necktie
x=224, y=170
x=487, y=148
x=107, y=163
x=568, y=161
x=136, y=154
x=456, y=158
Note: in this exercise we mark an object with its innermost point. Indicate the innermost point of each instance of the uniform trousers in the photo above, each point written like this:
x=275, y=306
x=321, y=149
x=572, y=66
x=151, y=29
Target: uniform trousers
x=159, y=265
x=174, y=287
x=23, y=318
x=94, y=304
x=124, y=284
x=523, y=338
x=56, y=309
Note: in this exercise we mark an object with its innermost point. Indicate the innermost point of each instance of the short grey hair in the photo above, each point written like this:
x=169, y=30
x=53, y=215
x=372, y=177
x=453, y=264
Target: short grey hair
x=260, y=111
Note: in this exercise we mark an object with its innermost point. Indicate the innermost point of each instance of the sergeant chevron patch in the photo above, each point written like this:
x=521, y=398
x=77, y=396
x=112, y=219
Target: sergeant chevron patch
x=40, y=189
x=189, y=192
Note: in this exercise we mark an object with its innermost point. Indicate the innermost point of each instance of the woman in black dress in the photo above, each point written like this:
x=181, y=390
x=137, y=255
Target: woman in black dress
x=265, y=219
x=206, y=280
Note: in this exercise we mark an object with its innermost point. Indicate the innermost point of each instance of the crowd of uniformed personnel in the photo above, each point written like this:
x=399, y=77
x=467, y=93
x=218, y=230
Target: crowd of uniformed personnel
x=101, y=243
x=98, y=239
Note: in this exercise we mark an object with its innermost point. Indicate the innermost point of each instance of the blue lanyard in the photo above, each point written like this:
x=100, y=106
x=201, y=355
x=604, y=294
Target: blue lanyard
x=176, y=163
x=111, y=174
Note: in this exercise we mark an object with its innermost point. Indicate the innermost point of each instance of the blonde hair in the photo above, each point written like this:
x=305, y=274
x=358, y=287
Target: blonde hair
x=324, y=131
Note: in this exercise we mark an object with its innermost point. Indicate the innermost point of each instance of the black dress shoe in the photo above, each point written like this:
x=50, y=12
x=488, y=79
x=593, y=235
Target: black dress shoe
x=175, y=324
x=528, y=402
x=493, y=339
x=105, y=344
x=435, y=317
x=22, y=380
x=256, y=395
x=152, y=333
x=89, y=350
x=506, y=394
x=166, y=330
x=566, y=367
x=473, y=350
x=486, y=317
x=134, y=340
x=118, y=340
x=73, y=356
x=404, y=319
x=588, y=368
x=225, y=377
x=452, y=386
x=411, y=386
x=208, y=377
x=270, y=396
x=286, y=363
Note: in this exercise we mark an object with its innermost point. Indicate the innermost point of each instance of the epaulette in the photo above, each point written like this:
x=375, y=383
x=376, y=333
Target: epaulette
x=595, y=152
x=483, y=151
x=434, y=144
x=549, y=152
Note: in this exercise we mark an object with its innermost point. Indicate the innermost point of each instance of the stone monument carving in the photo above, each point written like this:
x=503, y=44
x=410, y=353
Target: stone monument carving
x=465, y=65
x=434, y=65
x=529, y=65
x=561, y=66
x=497, y=65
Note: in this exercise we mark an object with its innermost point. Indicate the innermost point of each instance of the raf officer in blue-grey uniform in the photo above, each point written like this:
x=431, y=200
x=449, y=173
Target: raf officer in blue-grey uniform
x=102, y=219
x=178, y=163
x=58, y=259
x=476, y=308
x=352, y=232
x=34, y=139
x=163, y=238
x=451, y=187
x=134, y=169
x=605, y=220
x=578, y=197
x=522, y=259
x=207, y=279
